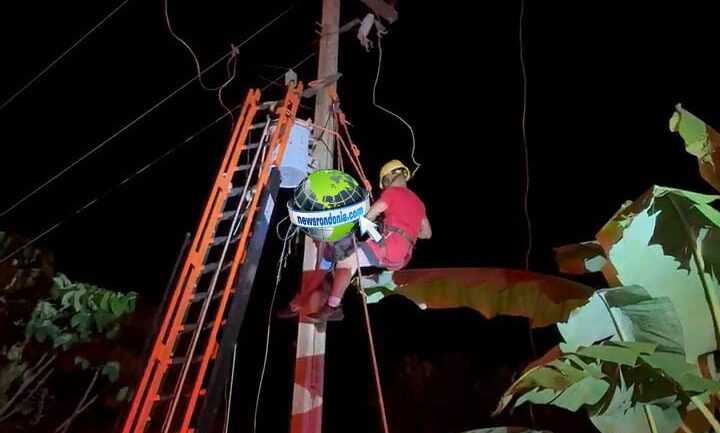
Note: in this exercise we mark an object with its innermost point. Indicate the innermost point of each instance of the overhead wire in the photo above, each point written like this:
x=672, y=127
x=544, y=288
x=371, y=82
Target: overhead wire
x=115, y=187
x=230, y=71
x=137, y=119
x=63, y=54
x=124, y=181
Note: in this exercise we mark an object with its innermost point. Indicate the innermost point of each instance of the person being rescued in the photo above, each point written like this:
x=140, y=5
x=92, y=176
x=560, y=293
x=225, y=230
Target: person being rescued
x=404, y=221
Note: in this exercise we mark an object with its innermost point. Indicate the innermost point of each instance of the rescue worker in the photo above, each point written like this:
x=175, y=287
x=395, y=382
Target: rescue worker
x=402, y=221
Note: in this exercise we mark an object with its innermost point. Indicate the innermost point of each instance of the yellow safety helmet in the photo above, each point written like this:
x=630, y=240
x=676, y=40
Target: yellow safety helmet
x=392, y=166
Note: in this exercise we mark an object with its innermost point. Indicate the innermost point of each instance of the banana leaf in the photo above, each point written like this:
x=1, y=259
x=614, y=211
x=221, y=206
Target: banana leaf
x=543, y=299
x=579, y=259
x=701, y=141
x=623, y=314
x=623, y=362
x=668, y=242
x=618, y=384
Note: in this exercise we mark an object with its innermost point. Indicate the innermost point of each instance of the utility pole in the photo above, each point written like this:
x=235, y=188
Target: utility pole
x=310, y=357
x=327, y=67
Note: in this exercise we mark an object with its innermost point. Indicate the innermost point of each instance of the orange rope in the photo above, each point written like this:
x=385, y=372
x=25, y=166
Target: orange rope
x=353, y=154
x=352, y=151
x=355, y=162
x=373, y=357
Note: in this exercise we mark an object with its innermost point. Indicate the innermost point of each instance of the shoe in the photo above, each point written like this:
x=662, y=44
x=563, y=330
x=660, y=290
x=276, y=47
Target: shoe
x=287, y=313
x=327, y=314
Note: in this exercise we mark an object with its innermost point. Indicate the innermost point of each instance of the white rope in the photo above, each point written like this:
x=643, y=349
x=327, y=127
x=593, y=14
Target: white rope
x=533, y=349
x=412, y=133
x=281, y=265
x=230, y=393
x=524, y=141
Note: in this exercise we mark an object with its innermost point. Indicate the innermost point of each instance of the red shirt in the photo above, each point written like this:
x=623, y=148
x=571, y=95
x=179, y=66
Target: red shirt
x=404, y=211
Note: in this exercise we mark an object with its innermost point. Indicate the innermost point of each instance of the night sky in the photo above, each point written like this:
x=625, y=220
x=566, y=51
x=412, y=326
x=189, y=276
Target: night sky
x=603, y=78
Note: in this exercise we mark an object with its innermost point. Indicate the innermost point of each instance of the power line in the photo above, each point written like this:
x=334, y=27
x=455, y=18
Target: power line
x=129, y=178
x=137, y=119
x=228, y=68
x=64, y=53
x=297, y=65
x=116, y=186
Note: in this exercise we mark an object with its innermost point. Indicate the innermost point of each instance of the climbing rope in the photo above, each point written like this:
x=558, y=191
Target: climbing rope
x=373, y=357
x=353, y=153
x=351, y=156
x=350, y=150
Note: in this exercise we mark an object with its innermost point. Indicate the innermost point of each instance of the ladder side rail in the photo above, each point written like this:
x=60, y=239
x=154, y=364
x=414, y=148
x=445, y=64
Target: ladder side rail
x=146, y=393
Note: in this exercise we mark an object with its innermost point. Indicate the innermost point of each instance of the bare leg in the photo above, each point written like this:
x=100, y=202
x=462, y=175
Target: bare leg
x=344, y=271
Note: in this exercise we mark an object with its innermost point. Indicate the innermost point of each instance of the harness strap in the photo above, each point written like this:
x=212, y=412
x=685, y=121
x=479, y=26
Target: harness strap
x=400, y=232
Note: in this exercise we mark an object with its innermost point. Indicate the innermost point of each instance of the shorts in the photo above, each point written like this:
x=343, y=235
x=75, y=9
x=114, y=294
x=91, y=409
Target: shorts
x=342, y=249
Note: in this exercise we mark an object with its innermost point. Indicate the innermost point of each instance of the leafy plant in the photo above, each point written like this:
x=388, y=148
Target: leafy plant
x=76, y=311
x=622, y=354
x=46, y=321
x=543, y=299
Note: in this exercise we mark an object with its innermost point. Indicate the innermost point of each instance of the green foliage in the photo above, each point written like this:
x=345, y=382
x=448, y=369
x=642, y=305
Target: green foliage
x=76, y=311
x=702, y=141
x=594, y=375
x=668, y=242
x=111, y=370
x=82, y=362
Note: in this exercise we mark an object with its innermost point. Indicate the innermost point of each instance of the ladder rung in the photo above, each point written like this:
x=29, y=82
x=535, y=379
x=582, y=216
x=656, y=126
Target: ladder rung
x=213, y=266
x=166, y=397
x=209, y=268
x=252, y=146
x=236, y=191
x=218, y=240
x=199, y=296
x=268, y=105
x=243, y=167
x=227, y=215
x=193, y=326
x=181, y=360
x=258, y=125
